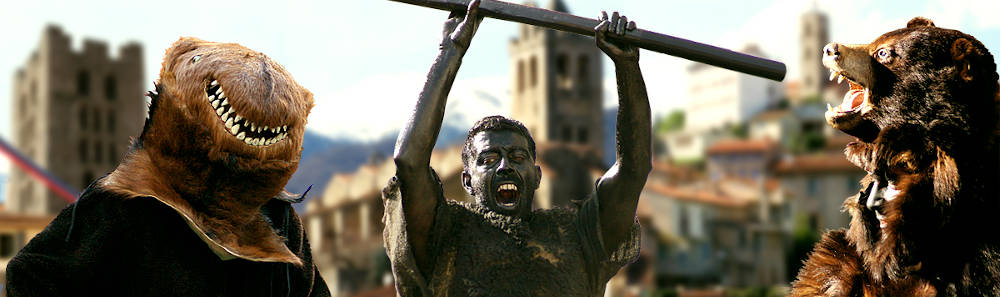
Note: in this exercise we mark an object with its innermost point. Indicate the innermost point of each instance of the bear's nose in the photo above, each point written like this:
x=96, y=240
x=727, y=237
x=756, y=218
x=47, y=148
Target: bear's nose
x=831, y=50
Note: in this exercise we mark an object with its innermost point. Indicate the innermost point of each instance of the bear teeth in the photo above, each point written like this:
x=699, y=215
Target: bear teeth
x=238, y=125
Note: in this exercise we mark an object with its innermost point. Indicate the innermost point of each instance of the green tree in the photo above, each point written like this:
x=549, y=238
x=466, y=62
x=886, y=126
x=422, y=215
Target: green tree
x=809, y=141
x=674, y=121
x=804, y=237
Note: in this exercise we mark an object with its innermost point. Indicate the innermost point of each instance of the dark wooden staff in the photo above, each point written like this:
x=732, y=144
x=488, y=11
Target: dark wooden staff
x=679, y=47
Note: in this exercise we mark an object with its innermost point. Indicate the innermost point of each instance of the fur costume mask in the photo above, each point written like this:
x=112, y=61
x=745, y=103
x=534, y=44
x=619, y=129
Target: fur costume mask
x=223, y=136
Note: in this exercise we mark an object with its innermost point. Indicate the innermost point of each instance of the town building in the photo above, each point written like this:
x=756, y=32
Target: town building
x=73, y=114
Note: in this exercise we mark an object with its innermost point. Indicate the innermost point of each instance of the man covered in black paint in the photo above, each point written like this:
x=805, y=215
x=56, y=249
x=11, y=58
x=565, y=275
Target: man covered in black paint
x=498, y=246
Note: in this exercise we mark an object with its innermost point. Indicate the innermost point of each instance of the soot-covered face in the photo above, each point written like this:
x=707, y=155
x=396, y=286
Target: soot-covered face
x=906, y=212
x=502, y=176
x=230, y=101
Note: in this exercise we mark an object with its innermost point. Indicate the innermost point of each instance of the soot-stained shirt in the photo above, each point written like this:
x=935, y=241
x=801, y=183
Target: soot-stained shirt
x=476, y=252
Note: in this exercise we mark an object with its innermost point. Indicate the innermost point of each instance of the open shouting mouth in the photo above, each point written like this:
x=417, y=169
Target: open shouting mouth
x=507, y=195
x=237, y=124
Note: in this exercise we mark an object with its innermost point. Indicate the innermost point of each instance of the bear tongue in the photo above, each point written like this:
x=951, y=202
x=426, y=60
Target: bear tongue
x=854, y=98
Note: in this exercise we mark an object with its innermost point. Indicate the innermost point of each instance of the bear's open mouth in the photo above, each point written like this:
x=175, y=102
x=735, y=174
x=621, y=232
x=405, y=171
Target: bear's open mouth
x=857, y=99
x=848, y=116
x=507, y=194
x=237, y=124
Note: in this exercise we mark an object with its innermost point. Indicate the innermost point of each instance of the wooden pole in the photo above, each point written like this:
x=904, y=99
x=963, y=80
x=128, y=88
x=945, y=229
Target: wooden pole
x=679, y=47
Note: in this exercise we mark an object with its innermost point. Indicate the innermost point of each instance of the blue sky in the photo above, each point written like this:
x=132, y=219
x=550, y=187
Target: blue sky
x=365, y=59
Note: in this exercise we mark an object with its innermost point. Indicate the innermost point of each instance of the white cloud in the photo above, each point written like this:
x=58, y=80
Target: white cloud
x=382, y=103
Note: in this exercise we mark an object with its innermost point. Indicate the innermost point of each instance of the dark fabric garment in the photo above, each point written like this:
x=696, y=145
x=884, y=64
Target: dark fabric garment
x=557, y=252
x=106, y=245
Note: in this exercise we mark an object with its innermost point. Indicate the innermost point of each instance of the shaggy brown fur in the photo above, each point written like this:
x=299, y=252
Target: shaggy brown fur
x=187, y=158
x=923, y=104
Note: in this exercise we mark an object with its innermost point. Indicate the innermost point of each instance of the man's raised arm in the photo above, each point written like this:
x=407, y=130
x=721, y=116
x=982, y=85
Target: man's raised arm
x=620, y=187
x=416, y=141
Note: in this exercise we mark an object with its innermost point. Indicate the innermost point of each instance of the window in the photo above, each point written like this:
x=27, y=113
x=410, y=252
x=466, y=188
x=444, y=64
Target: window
x=83, y=118
x=567, y=134
x=82, y=83
x=533, y=71
x=520, y=77
x=583, y=73
x=98, y=152
x=111, y=121
x=110, y=88
x=582, y=135
x=113, y=155
x=81, y=150
x=87, y=179
x=97, y=119
x=7, y=246
x=812, y=186
x=22, y=105
x=562, y=66
x=683, y=225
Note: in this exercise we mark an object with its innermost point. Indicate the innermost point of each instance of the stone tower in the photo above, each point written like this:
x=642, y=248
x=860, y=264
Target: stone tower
x=814, y=36
x=556, y=87
x=73, y=114
x=557, y=93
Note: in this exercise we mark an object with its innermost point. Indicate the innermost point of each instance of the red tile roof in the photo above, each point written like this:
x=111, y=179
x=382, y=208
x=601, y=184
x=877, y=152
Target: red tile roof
x=707, y=196
x=819, y=163
x=742, y=146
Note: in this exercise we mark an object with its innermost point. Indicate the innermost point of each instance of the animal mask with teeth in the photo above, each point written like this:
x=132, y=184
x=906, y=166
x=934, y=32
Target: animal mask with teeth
x=223, y=136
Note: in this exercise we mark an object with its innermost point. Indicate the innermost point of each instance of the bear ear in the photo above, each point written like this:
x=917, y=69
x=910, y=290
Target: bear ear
x=963, y=52
x=920, y=22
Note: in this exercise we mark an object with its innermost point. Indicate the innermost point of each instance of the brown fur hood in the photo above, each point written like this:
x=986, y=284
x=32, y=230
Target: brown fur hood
x=223, y=137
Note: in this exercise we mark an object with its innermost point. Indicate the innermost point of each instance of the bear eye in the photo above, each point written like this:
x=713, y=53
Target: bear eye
x=883, y=54
x=195, y=59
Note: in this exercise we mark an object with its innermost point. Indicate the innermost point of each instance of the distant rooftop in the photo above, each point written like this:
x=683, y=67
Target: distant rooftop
x=742, y=146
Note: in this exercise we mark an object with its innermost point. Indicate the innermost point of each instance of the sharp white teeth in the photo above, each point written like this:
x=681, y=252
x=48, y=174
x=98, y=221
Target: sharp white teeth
x=229, y=125
x=284, y=128
x=219, y=111
x=256, y=141
x=832, y=75
x=829, y=107
x=211, y=98
x=840, y=79
x=215, y=104
x=269, y=141
x=265, y=129
x=238, y=118
x=248, y=141
x=225, y=102
x=253, y=127
x=242, y=135
x=225, y=116
x=274, y=130
x=234, y=129
x=215, y=83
